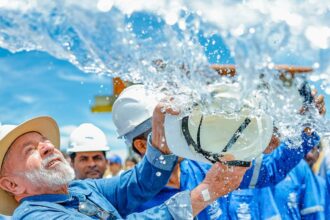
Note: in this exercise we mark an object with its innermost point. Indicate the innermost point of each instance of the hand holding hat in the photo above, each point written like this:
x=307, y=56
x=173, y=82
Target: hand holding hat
x=319, y=102
x=219, y=181
x=158, y=133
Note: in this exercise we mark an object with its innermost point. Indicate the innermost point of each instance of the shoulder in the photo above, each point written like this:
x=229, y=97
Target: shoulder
x=41, y=210
x=321, y=181
x=302, y=168
x=83, y=186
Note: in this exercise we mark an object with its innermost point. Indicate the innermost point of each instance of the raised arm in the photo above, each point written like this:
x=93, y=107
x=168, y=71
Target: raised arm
x=270, y=169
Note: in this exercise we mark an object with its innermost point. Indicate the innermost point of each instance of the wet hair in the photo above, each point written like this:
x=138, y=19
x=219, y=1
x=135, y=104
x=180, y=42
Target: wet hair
x=74, y=154
x=143, y=136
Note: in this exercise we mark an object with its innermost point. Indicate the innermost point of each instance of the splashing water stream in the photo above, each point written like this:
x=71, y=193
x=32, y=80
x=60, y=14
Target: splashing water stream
x=159, y=43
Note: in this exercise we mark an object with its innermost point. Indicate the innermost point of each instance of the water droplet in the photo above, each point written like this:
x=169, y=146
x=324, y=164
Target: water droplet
x=327, y=90
x=316, y=65
x=158, y=173
x=252, y=30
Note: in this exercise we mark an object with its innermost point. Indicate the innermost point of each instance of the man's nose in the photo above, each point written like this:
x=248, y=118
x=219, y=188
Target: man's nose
x=91, y=163
x=45, y=149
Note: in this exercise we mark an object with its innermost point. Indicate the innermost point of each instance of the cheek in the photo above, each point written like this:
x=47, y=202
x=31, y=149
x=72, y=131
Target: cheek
x=102, y=164
x=33, y=162
x=57, y=151
x=79, y=165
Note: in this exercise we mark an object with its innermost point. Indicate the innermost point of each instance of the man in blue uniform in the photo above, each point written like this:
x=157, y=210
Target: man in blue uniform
x=298, y=195
x=325, y=174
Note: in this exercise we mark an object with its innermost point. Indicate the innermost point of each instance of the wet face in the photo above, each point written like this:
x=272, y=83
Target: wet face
x=89, y=165
x=34, y=166
x=312, y=156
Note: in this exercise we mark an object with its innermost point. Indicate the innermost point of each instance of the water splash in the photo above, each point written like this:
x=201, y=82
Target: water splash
x=162, y=49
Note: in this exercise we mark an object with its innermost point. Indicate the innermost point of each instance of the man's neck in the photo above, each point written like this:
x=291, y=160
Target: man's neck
x=175, y=177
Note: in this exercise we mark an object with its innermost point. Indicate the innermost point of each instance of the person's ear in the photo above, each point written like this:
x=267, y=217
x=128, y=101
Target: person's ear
x=140, y=145
x=8, y=184
x=274, y=143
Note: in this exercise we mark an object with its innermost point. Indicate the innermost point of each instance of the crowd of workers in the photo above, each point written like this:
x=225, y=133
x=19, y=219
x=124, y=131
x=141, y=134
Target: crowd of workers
x=37, y=182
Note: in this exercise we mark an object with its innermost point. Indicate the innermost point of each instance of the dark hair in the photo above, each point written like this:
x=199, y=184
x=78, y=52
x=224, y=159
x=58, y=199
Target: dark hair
x=74, y=154
x=143, y=136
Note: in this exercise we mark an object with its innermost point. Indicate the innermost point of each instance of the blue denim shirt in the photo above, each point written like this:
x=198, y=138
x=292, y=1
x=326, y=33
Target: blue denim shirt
x=118, y=196
x=192, y=173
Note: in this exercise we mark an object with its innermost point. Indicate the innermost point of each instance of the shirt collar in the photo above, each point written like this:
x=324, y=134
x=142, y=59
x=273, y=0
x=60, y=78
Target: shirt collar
x=58, y=198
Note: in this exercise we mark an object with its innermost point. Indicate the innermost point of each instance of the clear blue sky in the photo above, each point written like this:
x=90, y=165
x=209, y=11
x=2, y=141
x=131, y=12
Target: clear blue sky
x=34, y=83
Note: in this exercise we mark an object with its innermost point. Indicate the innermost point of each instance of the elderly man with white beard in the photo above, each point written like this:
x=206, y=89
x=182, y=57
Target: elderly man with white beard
x=36, y=181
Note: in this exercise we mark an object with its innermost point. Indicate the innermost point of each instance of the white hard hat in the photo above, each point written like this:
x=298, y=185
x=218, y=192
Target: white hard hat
x=132, y=112
x=205, y=138
x=87, y=137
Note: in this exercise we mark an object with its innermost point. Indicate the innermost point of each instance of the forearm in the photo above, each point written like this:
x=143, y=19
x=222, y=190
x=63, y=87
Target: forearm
x=272, y=168
x=177, y=207
x=202, y=196
x=198, y=202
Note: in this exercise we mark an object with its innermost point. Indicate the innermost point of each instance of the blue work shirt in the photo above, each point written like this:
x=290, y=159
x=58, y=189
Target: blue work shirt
x=327, y=201
x=118, y=196
x=323, y=197
x=191, y=174
x=270, y=169
x=325, y=174
x=298, y=195
x=252, y=204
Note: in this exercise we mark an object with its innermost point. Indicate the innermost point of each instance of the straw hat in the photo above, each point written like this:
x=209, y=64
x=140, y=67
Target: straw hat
x=44, y=125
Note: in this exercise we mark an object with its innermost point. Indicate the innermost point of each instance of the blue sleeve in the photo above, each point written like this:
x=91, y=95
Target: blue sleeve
x=270, y=169
x=136, y=186
x=177, y=207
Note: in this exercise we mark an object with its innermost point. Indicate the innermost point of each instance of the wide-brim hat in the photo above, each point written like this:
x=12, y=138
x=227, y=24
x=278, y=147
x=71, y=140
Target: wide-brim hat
x=199, y=137
x=44, y=125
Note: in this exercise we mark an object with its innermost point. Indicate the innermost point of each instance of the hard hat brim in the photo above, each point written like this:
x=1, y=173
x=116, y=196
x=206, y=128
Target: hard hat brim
x=177, y=143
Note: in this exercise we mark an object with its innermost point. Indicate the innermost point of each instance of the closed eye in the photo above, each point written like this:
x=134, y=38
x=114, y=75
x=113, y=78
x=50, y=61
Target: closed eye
x=28, y=149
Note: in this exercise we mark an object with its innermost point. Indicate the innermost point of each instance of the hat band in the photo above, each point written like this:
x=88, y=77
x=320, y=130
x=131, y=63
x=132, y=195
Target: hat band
x=214, y=157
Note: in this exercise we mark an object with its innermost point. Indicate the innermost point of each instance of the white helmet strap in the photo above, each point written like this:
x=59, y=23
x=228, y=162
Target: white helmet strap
x=214, y=157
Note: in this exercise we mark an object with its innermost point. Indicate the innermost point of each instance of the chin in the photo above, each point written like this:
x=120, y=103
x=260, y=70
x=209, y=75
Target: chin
x=94, y=177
